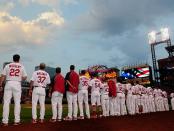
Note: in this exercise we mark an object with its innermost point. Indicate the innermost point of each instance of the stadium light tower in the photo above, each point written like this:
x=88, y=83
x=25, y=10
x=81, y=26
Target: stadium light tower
x=164, y=38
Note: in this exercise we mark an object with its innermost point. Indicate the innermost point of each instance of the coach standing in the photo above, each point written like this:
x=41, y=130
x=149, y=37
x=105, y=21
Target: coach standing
x=72, y=83
x=40, y=79
x=57, y=90
x=13, y=73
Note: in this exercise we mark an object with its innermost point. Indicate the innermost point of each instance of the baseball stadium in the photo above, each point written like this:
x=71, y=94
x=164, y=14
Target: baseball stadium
x=86, y=65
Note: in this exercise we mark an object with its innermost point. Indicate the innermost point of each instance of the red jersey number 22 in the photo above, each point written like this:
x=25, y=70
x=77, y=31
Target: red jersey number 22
x=14, y=72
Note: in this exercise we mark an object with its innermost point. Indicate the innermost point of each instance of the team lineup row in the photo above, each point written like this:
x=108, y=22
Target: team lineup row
x=111, y=97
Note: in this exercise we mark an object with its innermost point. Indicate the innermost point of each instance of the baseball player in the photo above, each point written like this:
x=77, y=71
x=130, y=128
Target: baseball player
x=165, y=101
x=105, y=98
x=151, y=103
x=172, y=100
x=39, y=81
x=120, y=100
x=72, y=85
x=57, y=90
x=83, y=95
x=95, y=85
x=13, y=74
x=130, y=101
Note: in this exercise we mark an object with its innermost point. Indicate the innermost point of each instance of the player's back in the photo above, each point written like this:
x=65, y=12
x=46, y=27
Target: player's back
x=14, y=72
x=95, y=85
x=41, y=78
x=84, y=83
x=105, y=89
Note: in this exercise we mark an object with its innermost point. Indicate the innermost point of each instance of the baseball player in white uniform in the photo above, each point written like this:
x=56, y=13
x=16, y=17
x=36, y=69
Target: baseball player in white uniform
x=83, y=95
x=165, y=101
x=130, y=101
x=172, y=100
x=120, y=100
x=105, y=98
x=13, y=73
x=40, y=79
x=95, y=85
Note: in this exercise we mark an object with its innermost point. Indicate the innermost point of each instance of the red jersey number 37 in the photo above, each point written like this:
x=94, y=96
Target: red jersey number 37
x=41, y=79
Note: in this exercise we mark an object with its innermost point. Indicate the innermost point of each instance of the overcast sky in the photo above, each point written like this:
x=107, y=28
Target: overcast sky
x=82, y=32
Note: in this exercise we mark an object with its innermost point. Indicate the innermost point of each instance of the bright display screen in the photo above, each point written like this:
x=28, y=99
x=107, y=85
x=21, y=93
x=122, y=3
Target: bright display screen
x=135, y=73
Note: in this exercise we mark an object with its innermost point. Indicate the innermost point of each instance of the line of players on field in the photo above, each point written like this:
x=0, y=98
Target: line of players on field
x=108, y=96
x=112, y=99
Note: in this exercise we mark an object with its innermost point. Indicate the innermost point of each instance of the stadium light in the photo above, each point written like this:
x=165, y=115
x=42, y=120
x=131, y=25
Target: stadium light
x=152, y=37
x=164, y=34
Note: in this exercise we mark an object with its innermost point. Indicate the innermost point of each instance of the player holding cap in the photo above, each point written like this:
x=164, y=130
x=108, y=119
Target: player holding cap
x=40, y=79
x=13, y=73
x=83, y=95
x=57, y=90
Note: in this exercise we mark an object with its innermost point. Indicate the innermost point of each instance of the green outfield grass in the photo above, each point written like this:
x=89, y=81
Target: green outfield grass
x=26, y=112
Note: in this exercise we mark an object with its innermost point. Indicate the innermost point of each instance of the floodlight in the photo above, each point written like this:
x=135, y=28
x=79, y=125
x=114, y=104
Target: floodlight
x=152, y=37
x=165, y=34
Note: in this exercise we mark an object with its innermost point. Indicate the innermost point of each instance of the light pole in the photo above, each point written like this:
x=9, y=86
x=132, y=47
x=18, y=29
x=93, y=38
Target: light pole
x=164, y=38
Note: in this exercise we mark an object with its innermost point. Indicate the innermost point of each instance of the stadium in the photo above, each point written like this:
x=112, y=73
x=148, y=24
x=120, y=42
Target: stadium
x=86, y=65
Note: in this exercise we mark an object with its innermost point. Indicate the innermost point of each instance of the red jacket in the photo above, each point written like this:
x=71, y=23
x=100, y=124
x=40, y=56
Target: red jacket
x=112, y=88
x=59, y=83
x=74, y=80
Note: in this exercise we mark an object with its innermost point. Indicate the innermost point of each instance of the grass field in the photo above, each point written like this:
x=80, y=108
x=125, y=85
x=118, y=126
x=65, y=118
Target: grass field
x=26, y=112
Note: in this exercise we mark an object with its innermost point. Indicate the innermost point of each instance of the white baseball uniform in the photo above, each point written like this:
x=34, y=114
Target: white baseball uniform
x=130, y=101
x=83, y=95
x=172, y=100
x=40, y=80
x=165, y=101
x=95, y=91
x=14, y=73
x=120, y=100
x=105, y=99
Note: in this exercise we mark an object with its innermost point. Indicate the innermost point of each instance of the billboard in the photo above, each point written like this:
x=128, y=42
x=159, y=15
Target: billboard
x=138, y=72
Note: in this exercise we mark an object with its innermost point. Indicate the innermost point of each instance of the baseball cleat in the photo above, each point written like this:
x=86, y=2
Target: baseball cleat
x=34, y=121
x=4, y=124
x=74, y=118
x=81, y=117
x=67, y=119
x=16, y=123
x=53, y=120
x=94, y=116
x=41, y=121
x=59, y=120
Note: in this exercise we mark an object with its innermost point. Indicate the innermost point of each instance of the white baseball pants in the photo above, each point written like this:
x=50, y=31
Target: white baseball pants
x=56, y=102
x=112, y=106
x=12, y=89
x=95, y=98
x=105, y=104
x=166, y=104
x=83, y=98
x=38, y=95
x=172, y=103
x=72, y=104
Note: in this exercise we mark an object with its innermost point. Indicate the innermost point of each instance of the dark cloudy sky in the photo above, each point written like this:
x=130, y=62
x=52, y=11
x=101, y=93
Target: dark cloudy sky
x=82, y=32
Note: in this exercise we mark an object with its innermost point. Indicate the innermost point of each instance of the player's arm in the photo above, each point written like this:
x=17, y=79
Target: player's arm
x=31, y=87
x=1, y=82
x=24, y=74
x=69, y=83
